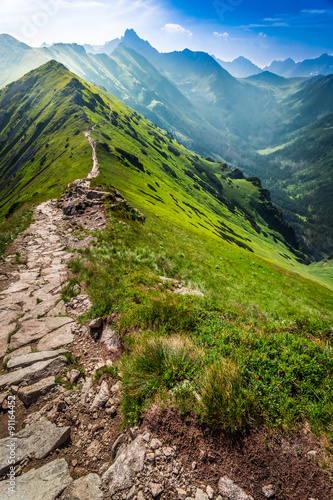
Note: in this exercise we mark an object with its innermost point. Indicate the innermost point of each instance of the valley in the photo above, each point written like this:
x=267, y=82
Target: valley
x=238, y=117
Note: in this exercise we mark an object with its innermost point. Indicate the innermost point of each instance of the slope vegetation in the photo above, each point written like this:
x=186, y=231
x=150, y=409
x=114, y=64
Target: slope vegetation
x=208, y=294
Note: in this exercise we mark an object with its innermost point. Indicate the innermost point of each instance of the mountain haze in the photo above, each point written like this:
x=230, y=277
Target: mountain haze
x=238, y=117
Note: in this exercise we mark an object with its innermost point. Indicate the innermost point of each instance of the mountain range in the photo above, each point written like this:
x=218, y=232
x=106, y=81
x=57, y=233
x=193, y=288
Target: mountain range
x=256, y=124
x=242, y=67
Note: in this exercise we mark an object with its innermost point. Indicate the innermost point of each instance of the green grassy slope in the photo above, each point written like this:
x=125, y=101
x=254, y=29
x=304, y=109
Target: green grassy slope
x=263, y=326
x=42, y=144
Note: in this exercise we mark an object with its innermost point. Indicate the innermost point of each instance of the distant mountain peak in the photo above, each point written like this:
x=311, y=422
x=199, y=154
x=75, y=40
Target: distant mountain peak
x=131, y=34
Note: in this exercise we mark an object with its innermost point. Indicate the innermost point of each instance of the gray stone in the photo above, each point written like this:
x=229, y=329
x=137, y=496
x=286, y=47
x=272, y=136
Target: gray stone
x=37, y=440
x=201, y=495
x=131, y=493
x=34, y=373
x=102, y=397
x=156, y=489
x=111, y=340
x=268, y=491
x=45, y=483
x=74, y=375
x=19, y=352
x=35, y=329
x=155, y=444
x=121, y=439
x=84, y=488
x=231, y=491
x=181, y=494
x=96, y=323
x=140, y=496
x=31, y=358
x=29, y=394
x=210, y=492
x=61, y=337
x=122, y=474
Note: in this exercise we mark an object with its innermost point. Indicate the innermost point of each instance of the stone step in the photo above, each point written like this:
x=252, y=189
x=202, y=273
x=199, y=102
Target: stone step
x=34, y=373
x=84, y=488
x=36, y=440
x=45, y=483
x=29, y=394
x=33, y=357
x=35, y=329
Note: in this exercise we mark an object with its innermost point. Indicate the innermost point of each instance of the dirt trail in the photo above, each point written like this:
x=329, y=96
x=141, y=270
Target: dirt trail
x=95, y=170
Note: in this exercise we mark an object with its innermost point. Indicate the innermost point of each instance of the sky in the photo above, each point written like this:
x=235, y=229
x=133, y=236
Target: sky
x=259, y=30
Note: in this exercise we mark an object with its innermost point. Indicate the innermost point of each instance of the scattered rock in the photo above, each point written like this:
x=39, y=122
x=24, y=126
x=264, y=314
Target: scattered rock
x=102, y=397
x=121, y=475
x=121, y=439
x=268, y=491
x=155, y=444
x=84, y=488
x=96, y=323
x=231, y=491
x=201, y=495
x=111, y=340
x=181, y=494
x=31, y=393
x=210, y=492
x=156, y=489
x=74, y=375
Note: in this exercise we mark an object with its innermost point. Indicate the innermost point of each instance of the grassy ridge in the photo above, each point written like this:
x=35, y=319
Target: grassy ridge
x=257, y=346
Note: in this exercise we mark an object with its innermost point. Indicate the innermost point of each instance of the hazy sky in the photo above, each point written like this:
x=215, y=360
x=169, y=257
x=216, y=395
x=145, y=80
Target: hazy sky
x=259, y=30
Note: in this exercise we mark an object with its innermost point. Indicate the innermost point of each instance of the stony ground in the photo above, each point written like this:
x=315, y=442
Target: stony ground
x=60, y=427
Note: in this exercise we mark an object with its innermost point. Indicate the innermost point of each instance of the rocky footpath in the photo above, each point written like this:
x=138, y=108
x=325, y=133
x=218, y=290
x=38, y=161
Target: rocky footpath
x=68, y=444
x=61, y=430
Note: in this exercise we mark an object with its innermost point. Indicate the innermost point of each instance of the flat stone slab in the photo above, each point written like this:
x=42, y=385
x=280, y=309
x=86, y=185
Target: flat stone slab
x=230, y=491
x=33, y=357
x=122, y=474
x=19, y=352
x=84, y=488
x=29, y=394
x=45, y=483
x=62, y=336
x=35, y=329
x=37, y=440
x=34, y=373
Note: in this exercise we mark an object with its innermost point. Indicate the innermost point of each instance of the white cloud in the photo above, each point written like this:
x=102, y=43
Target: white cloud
x=81, y=21
x=222, y=36
x=316, y=11
x=263, y=34
x=176, y=29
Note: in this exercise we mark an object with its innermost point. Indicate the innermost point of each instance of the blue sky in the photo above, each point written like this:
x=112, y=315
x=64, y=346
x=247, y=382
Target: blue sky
x=261, y=31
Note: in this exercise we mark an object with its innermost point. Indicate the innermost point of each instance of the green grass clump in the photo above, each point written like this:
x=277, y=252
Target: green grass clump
x=111, y=370
x=11, y=227
x=226, y=402
x=158, y=364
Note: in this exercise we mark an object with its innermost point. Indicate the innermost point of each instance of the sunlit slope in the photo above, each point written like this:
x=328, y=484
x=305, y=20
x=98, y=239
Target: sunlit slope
x=235, y=243
x=42, y=143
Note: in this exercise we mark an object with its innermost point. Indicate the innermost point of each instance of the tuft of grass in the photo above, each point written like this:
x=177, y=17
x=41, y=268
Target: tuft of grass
x=226, y=402
x=158, y=364
x=111, y=370
x=18, y=259
x=15, y=224
x=70, y=291
x=12, y=333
